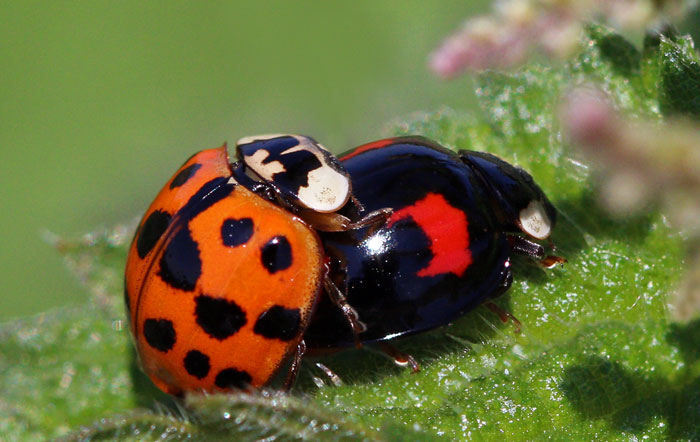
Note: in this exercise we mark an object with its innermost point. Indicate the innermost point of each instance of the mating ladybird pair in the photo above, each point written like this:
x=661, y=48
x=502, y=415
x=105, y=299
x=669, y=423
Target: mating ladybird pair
x=242, y=263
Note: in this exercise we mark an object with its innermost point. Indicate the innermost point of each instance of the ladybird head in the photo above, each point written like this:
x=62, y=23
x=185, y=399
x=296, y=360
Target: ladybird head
x=518, y=201
x=299, y=168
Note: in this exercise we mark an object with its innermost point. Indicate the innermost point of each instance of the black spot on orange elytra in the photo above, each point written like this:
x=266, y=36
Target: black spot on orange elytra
x=151, y=230
x=277, y=254
x=197, y=364
x=180, y=265
x=184, y=175
x=159, y=333
x=278, y=322
x=235, y=232
x=218, y=317
x=232, y=378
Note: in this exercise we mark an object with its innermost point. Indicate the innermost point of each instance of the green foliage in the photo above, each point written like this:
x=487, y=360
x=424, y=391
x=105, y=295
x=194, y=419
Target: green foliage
x=596, y=358
x=680, y=77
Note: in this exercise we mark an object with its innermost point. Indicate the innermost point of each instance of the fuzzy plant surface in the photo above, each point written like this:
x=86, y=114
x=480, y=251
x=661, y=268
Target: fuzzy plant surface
x=597, y=356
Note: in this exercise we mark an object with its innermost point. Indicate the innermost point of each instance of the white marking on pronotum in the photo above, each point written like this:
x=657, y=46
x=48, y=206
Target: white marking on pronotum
x=534, y=220
x=327, y=190
x=254, y=138
x=265, y=170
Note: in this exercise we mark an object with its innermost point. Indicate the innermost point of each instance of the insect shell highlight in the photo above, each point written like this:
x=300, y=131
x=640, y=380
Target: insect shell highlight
x=221, y=282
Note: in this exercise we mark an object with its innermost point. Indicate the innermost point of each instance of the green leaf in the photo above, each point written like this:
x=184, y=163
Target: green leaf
x=680, y=77
x=597, y=356
x=622, y=56
x=234, y=417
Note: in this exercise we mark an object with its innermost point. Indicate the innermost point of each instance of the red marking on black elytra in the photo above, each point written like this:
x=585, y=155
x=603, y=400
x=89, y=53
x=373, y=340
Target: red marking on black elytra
x=446, y=228
x=366, y=147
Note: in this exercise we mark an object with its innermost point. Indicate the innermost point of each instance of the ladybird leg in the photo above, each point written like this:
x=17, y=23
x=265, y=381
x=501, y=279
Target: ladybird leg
x=400, y=358
x=358, y=205
x=338, y=298
x=504, y=315
x=269, y=192
x=335, y=222
x=552, y=260
x=264, y=190
x=528, y=248
x=376, y=219
x=506, y=281
x=326, y=222
x=334, y=378
x=296, y=365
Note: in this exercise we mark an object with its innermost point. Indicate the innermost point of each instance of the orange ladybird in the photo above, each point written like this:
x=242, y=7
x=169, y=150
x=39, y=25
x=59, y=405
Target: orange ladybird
x=220, y=283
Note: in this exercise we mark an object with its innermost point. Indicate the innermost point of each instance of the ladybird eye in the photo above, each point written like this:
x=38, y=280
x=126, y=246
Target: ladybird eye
x=534, y=221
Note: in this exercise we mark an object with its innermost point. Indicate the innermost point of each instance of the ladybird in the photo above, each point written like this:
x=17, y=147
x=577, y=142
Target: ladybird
x=241, y=263
x=222, y=278
x=446, y=249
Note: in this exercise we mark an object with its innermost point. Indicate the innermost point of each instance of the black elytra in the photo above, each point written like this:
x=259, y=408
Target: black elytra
x=278, y=322
x=232, y=378
x=403, y=278
x=197, y=364
x=151, y=230
x=277, y=254
x=220, y=318
x=159, y=333
x=235, y=232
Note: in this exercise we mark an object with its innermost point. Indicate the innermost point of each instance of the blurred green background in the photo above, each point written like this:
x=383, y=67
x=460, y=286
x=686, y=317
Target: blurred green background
x=101, y=101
